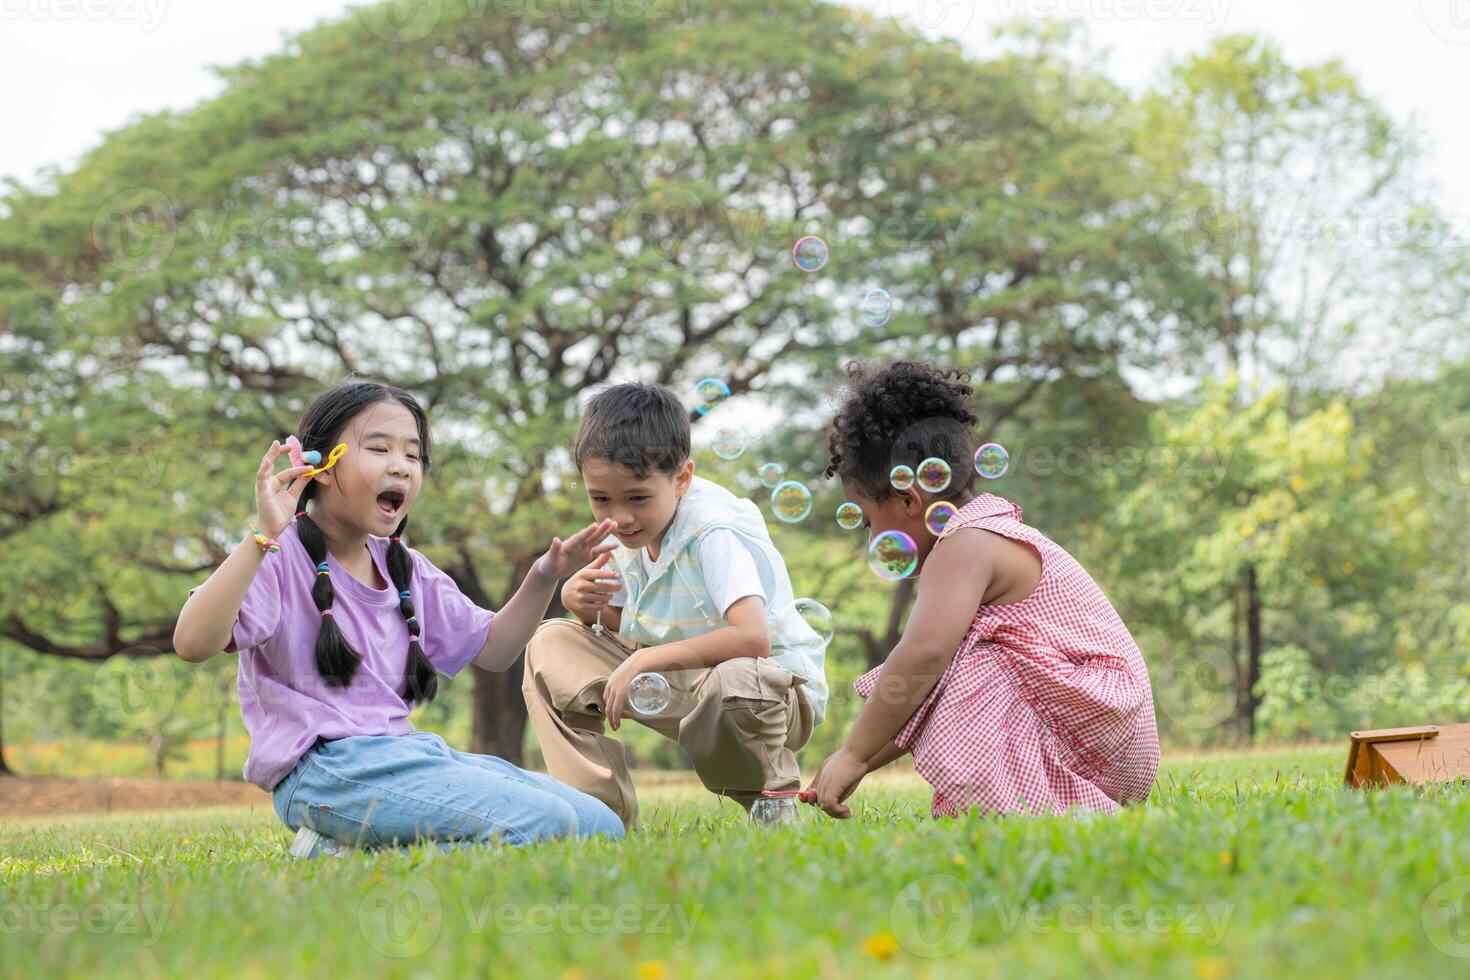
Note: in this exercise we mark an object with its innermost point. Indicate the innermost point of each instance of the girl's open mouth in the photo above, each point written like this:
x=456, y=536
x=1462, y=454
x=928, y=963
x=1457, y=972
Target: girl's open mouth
x=390, y=502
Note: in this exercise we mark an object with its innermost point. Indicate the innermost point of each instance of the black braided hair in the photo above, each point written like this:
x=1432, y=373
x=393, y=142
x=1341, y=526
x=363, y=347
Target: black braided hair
x=902, y=414
x=420, y=680
x=320, y=429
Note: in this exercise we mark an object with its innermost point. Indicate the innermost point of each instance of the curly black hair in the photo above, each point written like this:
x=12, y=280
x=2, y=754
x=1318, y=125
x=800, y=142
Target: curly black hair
x=902, y=414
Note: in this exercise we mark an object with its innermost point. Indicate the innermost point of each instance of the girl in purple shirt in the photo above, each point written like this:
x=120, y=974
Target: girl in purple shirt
x=341, y=628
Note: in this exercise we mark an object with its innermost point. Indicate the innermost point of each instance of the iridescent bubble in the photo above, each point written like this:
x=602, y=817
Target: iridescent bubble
x=709, y=392
x=938, y=515
x=771, y=473
x=877, y=307
x=849, y=516
x=893, y=555
x=649, y=693
x=809, y=253
x=901, y=476
x=791, y=501
x=992, y=461
x=730, y=442
x=933, y=475
x=815, y=615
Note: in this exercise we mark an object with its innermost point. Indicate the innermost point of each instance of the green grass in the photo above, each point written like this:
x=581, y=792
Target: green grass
x=1240, y=865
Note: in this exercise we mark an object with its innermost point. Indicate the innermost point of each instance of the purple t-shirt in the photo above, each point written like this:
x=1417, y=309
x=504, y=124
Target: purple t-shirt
x=284, y=701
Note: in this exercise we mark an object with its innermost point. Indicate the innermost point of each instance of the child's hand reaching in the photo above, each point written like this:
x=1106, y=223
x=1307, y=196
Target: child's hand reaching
x=835, y=782
x=276, y=493
x=588, y=591
x=579, y=549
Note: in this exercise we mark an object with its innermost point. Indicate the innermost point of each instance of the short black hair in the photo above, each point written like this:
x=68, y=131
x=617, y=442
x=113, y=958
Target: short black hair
x=643, y=427
x=901, y=414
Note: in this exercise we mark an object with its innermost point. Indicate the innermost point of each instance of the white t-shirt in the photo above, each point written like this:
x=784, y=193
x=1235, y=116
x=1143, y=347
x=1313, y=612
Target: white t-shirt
x=729, y=570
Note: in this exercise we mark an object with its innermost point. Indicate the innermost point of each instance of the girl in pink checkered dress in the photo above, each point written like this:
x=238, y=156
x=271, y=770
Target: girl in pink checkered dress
x=1015, y=686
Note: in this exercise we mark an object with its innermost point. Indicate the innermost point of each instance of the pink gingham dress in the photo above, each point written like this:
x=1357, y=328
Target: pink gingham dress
x=1046, y=704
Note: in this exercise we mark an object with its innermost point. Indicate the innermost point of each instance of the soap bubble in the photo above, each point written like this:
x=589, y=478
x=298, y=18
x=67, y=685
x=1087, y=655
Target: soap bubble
x=791, y=501
x=730, y=442
x=934, y=475
x=809, y=253
x=815, y=615
x=893, y=555
x=902, y=477
x=849, y=516
x=877, y=307
x=771, y=473
x=649, y=694
x=938, y=515
x=992, y=461
x=709, y=392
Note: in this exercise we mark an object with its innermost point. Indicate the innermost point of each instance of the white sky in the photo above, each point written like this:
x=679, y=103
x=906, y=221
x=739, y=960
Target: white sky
x=73, y=69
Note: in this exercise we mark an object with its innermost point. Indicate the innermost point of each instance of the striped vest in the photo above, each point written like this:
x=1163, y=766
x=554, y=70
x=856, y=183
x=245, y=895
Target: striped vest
x=674, y=604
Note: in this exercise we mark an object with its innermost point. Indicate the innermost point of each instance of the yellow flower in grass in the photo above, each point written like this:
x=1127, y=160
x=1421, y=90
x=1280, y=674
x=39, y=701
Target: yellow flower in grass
x=1226, y=858
x=1211, y=968
x=653, y=970
x=881, y=945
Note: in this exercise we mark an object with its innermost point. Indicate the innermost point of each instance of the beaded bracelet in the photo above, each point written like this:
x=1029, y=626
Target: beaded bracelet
x=267, y=545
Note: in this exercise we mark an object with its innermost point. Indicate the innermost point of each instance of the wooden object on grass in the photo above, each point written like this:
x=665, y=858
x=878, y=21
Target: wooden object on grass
x=1421, y=754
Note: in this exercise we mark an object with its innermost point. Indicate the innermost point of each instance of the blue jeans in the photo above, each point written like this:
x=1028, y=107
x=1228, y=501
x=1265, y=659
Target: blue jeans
x=381, y=790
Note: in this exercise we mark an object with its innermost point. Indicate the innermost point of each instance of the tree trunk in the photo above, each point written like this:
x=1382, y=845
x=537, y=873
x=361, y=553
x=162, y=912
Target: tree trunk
x=1253, y=646
x=878, y=650
x=4, y=768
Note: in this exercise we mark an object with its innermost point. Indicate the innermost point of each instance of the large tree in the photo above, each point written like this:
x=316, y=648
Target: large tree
x=501, y=213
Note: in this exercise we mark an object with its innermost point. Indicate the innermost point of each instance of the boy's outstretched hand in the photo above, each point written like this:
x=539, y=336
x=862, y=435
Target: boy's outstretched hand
x=835, y=782
x=565, y=557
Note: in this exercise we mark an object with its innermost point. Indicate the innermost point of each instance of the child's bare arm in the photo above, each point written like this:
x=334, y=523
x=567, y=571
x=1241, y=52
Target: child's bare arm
x=888, y=753
x=209, y=615
x=955, y=579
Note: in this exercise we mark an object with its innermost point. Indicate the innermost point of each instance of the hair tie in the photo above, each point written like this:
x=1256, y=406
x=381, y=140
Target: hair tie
x=403, y=595
x=326, y=612
x=395, y=538
x=322, y=569
x=413, y=619
x=299, y=514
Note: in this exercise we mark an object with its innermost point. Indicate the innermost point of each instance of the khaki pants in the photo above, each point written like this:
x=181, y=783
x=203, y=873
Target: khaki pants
x=740, y=722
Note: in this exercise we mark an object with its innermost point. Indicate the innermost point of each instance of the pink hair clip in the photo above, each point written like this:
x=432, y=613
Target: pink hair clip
x=300, y=457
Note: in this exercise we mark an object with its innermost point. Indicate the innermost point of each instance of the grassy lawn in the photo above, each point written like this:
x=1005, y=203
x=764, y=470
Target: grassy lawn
x=1242, y=865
